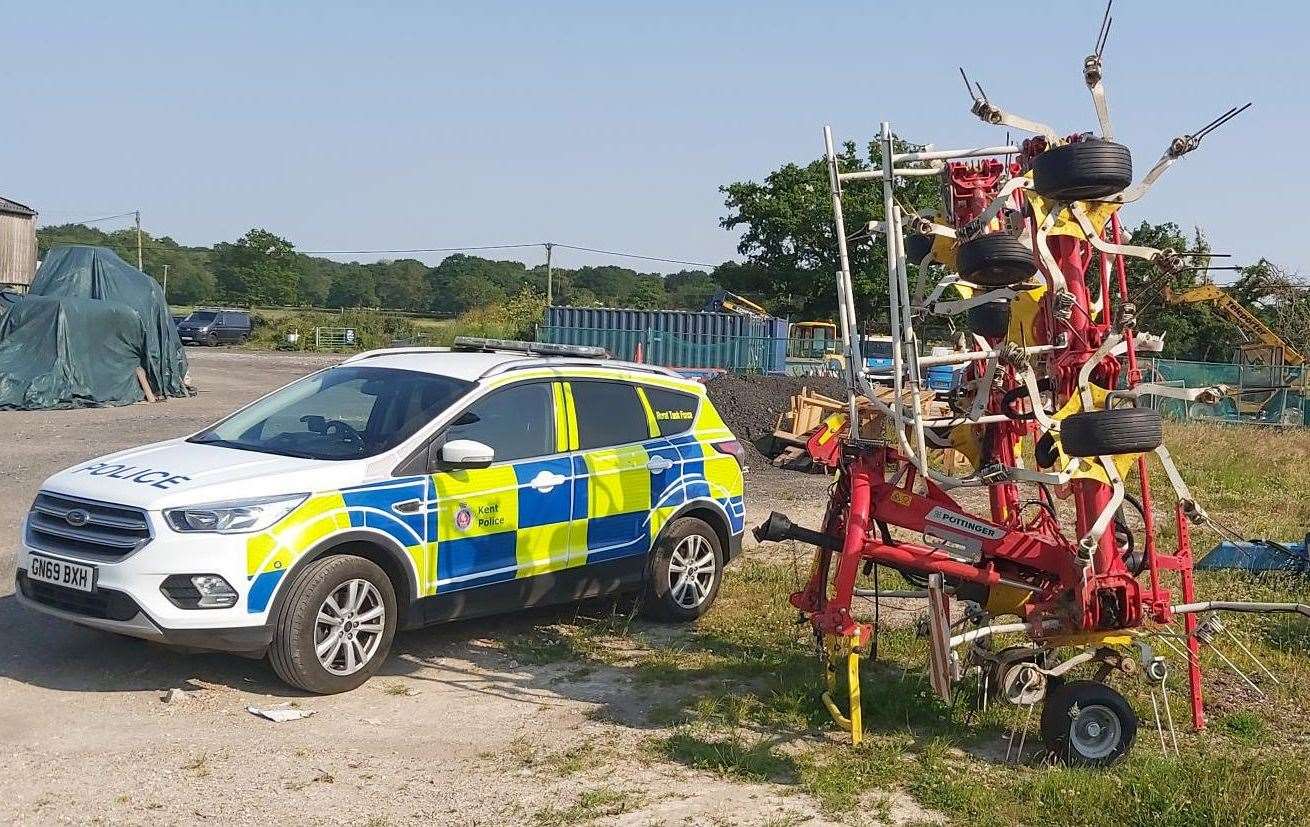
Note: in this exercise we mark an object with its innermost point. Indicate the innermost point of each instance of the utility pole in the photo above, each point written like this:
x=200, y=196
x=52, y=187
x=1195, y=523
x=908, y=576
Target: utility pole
x=549, y=273
x=165, y=284
x=138, y=241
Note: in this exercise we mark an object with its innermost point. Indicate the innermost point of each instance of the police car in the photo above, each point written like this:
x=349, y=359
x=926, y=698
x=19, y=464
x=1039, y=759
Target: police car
x=399, y=488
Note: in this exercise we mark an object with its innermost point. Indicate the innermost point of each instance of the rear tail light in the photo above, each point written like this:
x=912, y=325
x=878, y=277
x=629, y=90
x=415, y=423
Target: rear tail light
x=733, y=449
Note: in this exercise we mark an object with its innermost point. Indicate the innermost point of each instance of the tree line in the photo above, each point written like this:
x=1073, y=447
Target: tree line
x=262, y=268
x=789, y=257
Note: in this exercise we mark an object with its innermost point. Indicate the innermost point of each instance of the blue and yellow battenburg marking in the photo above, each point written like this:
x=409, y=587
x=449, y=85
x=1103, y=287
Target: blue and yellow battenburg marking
x=479, y=526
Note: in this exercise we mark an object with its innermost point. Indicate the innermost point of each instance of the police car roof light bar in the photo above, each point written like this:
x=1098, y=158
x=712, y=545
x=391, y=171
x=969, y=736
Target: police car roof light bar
x=485, y=345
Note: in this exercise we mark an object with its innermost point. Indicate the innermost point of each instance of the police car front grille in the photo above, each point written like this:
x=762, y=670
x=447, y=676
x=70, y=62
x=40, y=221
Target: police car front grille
x=108, y=532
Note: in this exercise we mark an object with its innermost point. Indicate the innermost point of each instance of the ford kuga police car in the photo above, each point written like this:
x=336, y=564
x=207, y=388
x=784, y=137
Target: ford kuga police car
x=399, y=488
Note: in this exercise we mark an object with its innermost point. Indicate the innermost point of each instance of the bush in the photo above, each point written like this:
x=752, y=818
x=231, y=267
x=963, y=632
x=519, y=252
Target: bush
x=515, y=318
x=372, y=329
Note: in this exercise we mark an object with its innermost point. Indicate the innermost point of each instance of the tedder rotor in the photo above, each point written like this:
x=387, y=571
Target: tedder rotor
x=1031, y=250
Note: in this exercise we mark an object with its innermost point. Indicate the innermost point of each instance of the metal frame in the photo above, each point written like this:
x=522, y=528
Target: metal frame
x=1081, y=592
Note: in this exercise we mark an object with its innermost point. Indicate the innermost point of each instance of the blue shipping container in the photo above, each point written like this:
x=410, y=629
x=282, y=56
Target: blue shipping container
x=674, y=338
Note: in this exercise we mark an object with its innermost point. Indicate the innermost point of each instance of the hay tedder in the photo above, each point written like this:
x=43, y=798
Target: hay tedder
x=1028, y=247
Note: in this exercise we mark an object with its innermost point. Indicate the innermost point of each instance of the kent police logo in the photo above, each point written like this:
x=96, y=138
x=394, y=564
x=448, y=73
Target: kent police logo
x=463, y=517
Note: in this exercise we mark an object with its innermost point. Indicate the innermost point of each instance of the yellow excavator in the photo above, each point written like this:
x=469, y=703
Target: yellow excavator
x=1263, y=349
x=1262, y=346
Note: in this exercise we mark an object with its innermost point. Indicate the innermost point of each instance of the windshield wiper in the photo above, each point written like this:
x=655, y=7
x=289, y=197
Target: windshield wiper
x=262, y=449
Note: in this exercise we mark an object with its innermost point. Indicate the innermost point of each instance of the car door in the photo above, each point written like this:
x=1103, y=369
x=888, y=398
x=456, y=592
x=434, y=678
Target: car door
x=510, y=519
x=619, y=461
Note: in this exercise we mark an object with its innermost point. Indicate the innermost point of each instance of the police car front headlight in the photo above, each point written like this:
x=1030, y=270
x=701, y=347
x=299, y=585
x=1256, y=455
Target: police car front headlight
x=236, y=517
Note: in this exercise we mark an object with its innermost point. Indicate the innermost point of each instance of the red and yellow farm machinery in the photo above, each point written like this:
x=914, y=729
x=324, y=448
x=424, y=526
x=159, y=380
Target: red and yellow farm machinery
x=1028, y=247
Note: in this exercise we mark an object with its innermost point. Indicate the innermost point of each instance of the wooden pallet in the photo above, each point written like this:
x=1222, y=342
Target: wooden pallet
x=809, y=410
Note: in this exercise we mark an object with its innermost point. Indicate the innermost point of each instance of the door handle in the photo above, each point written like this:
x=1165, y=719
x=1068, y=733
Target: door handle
x=658, y=464
x=545, y=481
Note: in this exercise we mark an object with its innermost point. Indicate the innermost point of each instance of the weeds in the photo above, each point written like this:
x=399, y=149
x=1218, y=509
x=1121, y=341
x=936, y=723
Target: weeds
x=592, y=804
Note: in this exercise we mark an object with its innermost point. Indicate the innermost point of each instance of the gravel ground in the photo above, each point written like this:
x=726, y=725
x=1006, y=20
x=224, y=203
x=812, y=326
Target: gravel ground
x=84, y=736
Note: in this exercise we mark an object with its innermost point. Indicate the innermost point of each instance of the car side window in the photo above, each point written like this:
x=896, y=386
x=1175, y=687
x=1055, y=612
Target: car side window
x=674, y=411
x=517, y=422
x=608, y=413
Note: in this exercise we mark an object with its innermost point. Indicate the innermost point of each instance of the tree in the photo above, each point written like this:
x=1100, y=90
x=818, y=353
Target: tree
x=259, y=268
x=402, y=284
x=1191, y=331
x=689, y=289
x=461, y=282
x=353, y=287
x=788, y=240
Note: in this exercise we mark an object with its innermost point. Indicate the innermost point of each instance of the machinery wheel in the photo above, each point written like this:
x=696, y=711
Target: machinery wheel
x=1113, y=431
x=991, y=319
x=685, y=569
x=1083, y=171
x=1087, y=723
x=995, y=260
x=917, y=246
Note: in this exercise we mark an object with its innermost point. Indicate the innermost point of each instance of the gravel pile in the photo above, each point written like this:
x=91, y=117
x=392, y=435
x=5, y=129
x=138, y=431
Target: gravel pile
x=751, y=403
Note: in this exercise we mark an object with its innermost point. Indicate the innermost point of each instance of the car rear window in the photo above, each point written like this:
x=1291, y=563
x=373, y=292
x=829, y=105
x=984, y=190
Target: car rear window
x=674, y=410
x=518, y=422
x=609, y=413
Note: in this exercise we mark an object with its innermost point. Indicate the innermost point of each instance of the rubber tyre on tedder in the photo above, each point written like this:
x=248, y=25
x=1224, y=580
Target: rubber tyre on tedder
x=1113, y=431
x=1084, y=171
x=917, y=246
x=995, y=260
x=990, y=319
x=1088, y=724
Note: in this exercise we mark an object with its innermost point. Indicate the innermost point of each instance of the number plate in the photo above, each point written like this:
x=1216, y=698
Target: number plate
x=62, y=573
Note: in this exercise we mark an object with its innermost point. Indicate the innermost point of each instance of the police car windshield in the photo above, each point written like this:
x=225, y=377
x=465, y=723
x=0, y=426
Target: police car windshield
x=346, y=412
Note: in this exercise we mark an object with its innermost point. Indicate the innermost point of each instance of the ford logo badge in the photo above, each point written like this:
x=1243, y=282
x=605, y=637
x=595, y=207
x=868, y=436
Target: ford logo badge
x=77, y=518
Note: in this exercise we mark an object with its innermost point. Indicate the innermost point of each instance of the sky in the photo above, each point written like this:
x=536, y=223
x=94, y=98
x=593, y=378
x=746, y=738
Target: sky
x=357, y=126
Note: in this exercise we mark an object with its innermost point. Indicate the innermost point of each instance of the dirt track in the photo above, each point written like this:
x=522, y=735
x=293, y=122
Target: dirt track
x=85, y=737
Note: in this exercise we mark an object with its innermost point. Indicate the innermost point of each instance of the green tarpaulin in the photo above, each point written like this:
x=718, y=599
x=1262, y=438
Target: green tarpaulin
x=76, y=339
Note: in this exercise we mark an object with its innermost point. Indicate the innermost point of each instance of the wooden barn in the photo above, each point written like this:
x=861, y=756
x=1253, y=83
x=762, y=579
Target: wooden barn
x=17, y=245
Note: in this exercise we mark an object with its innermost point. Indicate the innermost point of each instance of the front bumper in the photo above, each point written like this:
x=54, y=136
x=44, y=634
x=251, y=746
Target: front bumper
x=128, y=598
x=62, y=603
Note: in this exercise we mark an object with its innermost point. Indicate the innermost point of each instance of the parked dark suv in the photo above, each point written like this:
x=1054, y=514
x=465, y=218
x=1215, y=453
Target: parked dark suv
x=214, y=327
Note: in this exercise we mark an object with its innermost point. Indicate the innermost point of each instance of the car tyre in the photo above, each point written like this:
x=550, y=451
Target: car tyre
x=684, y=571
x=1110, y=432
x=313, y=654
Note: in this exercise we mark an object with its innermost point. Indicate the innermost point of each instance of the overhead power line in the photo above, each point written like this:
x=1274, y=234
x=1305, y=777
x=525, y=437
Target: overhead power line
x=128, y=214
x=415, y=250
x=505, y=247
x=634, y=255
x=153, y=245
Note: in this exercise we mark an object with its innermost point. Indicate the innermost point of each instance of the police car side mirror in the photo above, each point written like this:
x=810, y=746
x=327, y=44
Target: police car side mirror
x=466, y=453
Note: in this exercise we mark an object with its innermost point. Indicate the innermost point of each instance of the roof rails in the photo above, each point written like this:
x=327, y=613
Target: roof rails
x=528, y=364
x=483, y=345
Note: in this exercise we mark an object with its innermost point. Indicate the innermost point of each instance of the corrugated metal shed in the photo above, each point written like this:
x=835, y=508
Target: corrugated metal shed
x=17, y=244
x=674, y=338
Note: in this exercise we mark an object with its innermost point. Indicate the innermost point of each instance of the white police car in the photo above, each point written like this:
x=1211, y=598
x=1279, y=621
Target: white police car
x=399, y=488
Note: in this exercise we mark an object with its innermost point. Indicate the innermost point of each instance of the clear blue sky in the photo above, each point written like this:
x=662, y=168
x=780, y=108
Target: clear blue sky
x=405, y=124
